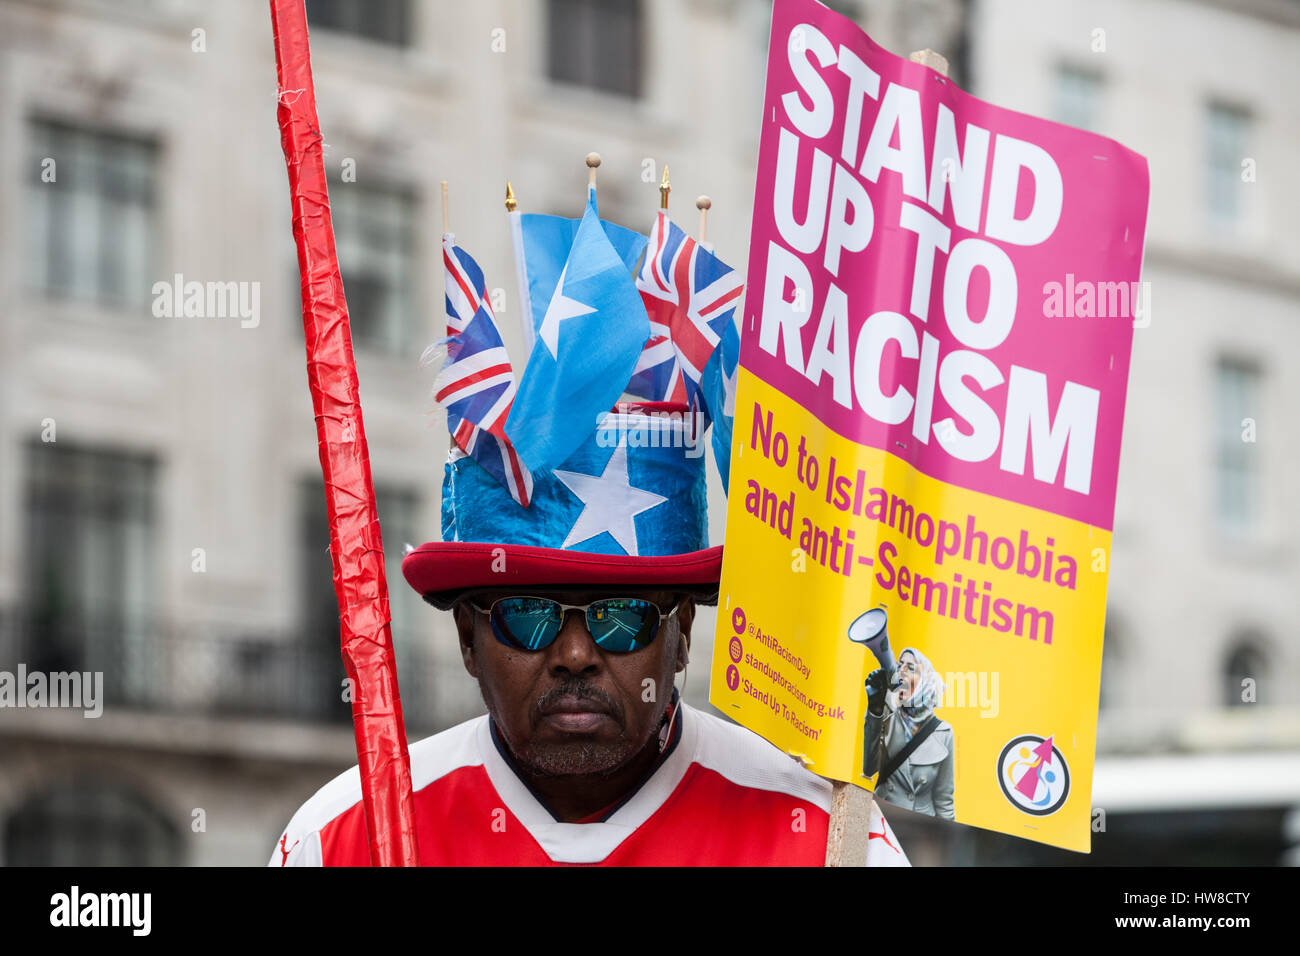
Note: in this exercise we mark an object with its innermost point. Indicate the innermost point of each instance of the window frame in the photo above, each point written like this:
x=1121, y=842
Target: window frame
x=1222, y=172
x=110, y=158
x=590, y=71
x=1236, y=464
x=376, y=337
x=354, y=15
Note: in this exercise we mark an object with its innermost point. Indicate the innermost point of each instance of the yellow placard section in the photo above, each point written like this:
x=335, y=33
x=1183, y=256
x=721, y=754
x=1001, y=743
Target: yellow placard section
x=1001, y=603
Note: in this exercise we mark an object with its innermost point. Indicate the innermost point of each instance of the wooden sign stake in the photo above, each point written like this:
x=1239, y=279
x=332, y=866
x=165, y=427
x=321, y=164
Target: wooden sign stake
x=846, y=839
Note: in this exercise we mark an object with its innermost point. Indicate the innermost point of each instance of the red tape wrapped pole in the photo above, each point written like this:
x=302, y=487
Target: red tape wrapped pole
x=355, y=545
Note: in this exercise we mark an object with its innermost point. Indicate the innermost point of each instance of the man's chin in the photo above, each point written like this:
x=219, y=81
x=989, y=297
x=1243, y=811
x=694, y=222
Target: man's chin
x=581, y=758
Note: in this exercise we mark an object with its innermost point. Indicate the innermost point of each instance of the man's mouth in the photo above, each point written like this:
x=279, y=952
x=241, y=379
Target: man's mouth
x=575, y=715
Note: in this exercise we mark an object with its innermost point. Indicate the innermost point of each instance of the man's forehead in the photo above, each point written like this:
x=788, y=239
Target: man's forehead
x=573, y=595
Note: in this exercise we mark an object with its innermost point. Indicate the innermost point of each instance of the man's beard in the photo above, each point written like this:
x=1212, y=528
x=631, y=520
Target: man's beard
x=582, y=757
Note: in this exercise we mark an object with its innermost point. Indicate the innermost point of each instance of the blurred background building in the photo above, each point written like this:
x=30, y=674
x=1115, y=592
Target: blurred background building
x=162, y=515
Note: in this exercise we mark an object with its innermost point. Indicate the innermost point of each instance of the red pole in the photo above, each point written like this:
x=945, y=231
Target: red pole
x=355, y=545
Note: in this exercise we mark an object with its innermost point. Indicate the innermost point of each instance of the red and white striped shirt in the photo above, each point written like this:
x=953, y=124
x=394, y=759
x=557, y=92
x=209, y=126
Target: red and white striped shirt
x=722, y=796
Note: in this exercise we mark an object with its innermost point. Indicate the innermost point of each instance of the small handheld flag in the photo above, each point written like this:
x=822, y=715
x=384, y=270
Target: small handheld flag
x=542, y=245
x=477, y=383
x=591, y=329
x=718, y=385
x=690, y=296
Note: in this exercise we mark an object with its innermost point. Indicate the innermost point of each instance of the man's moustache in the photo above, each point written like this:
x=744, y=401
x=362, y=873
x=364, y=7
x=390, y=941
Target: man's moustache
x=581, y=690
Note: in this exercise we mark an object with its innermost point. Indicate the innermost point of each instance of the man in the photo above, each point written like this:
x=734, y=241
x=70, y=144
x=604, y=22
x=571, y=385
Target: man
x=581, y=759
x=574, y=593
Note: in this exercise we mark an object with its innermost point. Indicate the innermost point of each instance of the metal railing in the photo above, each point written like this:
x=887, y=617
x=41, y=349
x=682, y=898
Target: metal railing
x=222, y=671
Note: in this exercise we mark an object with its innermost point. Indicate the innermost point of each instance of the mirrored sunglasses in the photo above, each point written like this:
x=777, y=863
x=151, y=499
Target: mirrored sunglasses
x=616, y=624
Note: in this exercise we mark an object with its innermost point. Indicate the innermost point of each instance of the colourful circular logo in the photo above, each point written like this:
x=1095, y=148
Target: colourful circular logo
x=733, y=677
x=1033, y=774
x=736, y=649
x=738, y=620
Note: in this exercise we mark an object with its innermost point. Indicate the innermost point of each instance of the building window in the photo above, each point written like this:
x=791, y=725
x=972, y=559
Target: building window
x=90, y=822
x=1236, y=402
x=321, y=668
x=384, y=21
x=1227, y=131
x=1077, y=98
x=597, y=43
x=397, y=509
x=412, y=619
x=374, y=228
x=1243, y=668
x=90, y=558
x=91, y=198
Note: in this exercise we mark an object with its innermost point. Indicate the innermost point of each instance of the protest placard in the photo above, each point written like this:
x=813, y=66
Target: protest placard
x=935, y=354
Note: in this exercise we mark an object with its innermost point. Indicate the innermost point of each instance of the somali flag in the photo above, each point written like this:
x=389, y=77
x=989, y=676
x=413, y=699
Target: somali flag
x=589, y=334
x=542, y=247
x=718, y=386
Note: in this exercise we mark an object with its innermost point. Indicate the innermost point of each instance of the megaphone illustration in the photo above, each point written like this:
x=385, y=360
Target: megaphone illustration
x=869, y=630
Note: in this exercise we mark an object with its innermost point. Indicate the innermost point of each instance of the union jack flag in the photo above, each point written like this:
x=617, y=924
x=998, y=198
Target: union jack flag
x=690, y=296
x=477, y=383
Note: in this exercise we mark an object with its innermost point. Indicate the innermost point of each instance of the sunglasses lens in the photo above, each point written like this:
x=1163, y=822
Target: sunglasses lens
x=529, y=623
x=623, y=624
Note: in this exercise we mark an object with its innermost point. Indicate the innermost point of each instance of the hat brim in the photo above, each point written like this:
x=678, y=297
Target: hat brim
x=442, y=571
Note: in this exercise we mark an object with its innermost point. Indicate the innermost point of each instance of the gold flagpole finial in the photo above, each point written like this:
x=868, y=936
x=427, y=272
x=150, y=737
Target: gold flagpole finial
x=665, y=187
x=593, y=161
x=511, y=202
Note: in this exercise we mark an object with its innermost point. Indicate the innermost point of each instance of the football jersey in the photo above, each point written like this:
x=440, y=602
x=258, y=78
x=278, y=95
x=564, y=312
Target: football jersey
x=720, y=796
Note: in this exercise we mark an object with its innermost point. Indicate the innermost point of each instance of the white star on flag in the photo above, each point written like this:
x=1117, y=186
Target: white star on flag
x=729, y=390
x=610, y=503
x=560, y=307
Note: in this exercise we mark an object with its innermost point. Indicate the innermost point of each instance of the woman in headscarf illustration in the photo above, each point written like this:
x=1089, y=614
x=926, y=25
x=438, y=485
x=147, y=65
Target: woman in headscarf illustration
x=906, y=741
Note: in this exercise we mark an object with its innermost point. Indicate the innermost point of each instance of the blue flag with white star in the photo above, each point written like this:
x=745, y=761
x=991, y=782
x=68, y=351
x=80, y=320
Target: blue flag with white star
x=588, y=341
x=544, y=249
x=718, y=386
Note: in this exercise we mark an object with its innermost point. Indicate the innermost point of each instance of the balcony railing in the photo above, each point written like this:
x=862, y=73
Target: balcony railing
x=226, y=672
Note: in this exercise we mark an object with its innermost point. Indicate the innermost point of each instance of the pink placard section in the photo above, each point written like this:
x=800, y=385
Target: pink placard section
x=951, y=282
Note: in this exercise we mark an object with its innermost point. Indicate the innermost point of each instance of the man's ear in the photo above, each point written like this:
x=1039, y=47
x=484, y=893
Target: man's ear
x=685, y=618
x=465, y=621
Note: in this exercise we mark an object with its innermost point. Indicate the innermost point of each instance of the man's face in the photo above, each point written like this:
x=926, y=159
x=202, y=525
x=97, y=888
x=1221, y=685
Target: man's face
x=573, y=708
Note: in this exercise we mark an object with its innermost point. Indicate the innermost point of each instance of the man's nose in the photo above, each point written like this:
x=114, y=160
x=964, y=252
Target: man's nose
x=574, y=649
